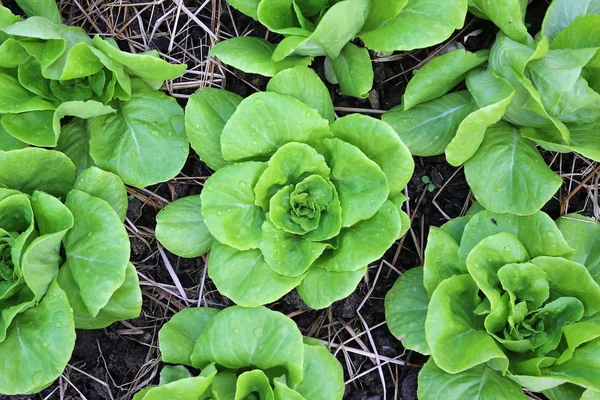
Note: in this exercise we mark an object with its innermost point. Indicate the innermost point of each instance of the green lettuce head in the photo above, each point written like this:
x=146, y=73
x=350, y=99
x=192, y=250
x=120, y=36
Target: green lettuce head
x=504, y=302
x=296, y=201
x=543, y=91
x=64, y=263
x=243, y=353
x=120, y=121
x=314, y=28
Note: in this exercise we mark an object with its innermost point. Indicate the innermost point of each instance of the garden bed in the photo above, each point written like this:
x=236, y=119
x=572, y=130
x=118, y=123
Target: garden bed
x=116, y=362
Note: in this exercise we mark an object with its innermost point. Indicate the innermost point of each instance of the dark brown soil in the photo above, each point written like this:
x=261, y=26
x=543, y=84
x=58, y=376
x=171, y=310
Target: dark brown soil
x=122, y=353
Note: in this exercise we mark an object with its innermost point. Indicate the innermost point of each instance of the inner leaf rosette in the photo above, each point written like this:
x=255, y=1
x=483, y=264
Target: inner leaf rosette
x=523, y=291
x=64, y=257
x=243, y=353
x=296, y=197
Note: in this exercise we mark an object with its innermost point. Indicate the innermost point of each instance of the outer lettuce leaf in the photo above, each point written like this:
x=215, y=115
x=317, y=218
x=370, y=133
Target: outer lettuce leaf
x=130, y=143
x=507, y=174
x=420, y=24
x=440, y=75
x=428, y=128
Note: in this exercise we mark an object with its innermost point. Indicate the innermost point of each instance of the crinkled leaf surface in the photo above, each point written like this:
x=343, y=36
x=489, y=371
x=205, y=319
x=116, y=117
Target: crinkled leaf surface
x=451, y=326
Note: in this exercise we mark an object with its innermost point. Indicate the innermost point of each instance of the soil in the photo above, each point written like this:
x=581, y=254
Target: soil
x=115, y=362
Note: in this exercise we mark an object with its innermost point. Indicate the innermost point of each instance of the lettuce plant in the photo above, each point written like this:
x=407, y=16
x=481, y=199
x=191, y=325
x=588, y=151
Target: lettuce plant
x=504, y=302
x=543, y=91
x=315, y=28
x=296, y=200
x=242, y=353
x=64, y=263
x=120, y=123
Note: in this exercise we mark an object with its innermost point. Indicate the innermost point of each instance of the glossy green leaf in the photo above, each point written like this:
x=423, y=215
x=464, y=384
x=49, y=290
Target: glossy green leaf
x=508, y=15
x=180, y=228
x=145, y=66
x=537, y=232
x=247, y=7
x=106, y=186
x=507, y=174
x=583, y=234
x=493, y=103
x=378, y=141
x=480, y=382
x=353, y=71
x=288, y=254
x=74, y=142
x=12, y=54
x=571, y=279
x=406, y=307
x=305, y=85
x=41, y=258
x=97, y=249
x=9, y=142
x=581, y=368
x=16, y=99
x=420, y=24
x=31, y=78
x=245, y=277
x=41, y=339
x=383, y=11
x=172, y=373
x=125, y=302
x=428, y=128
x=451, y=326
x=145, y=142
x=322, y=373
x=257, y=56
x=184, y=389
x=178, y=337
x=320, y=288
x=27, y=170
x=364, y=242
x=228, y=205
x=43, y=8
x=361, y=184
x=32, y=127
x=441, y=259
x=266, y=121
x=440, y=75
x=290, y=164
x=329, y=35
x=206, y=113
x=562, y=13
x=251, y=382
x=239, y=338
